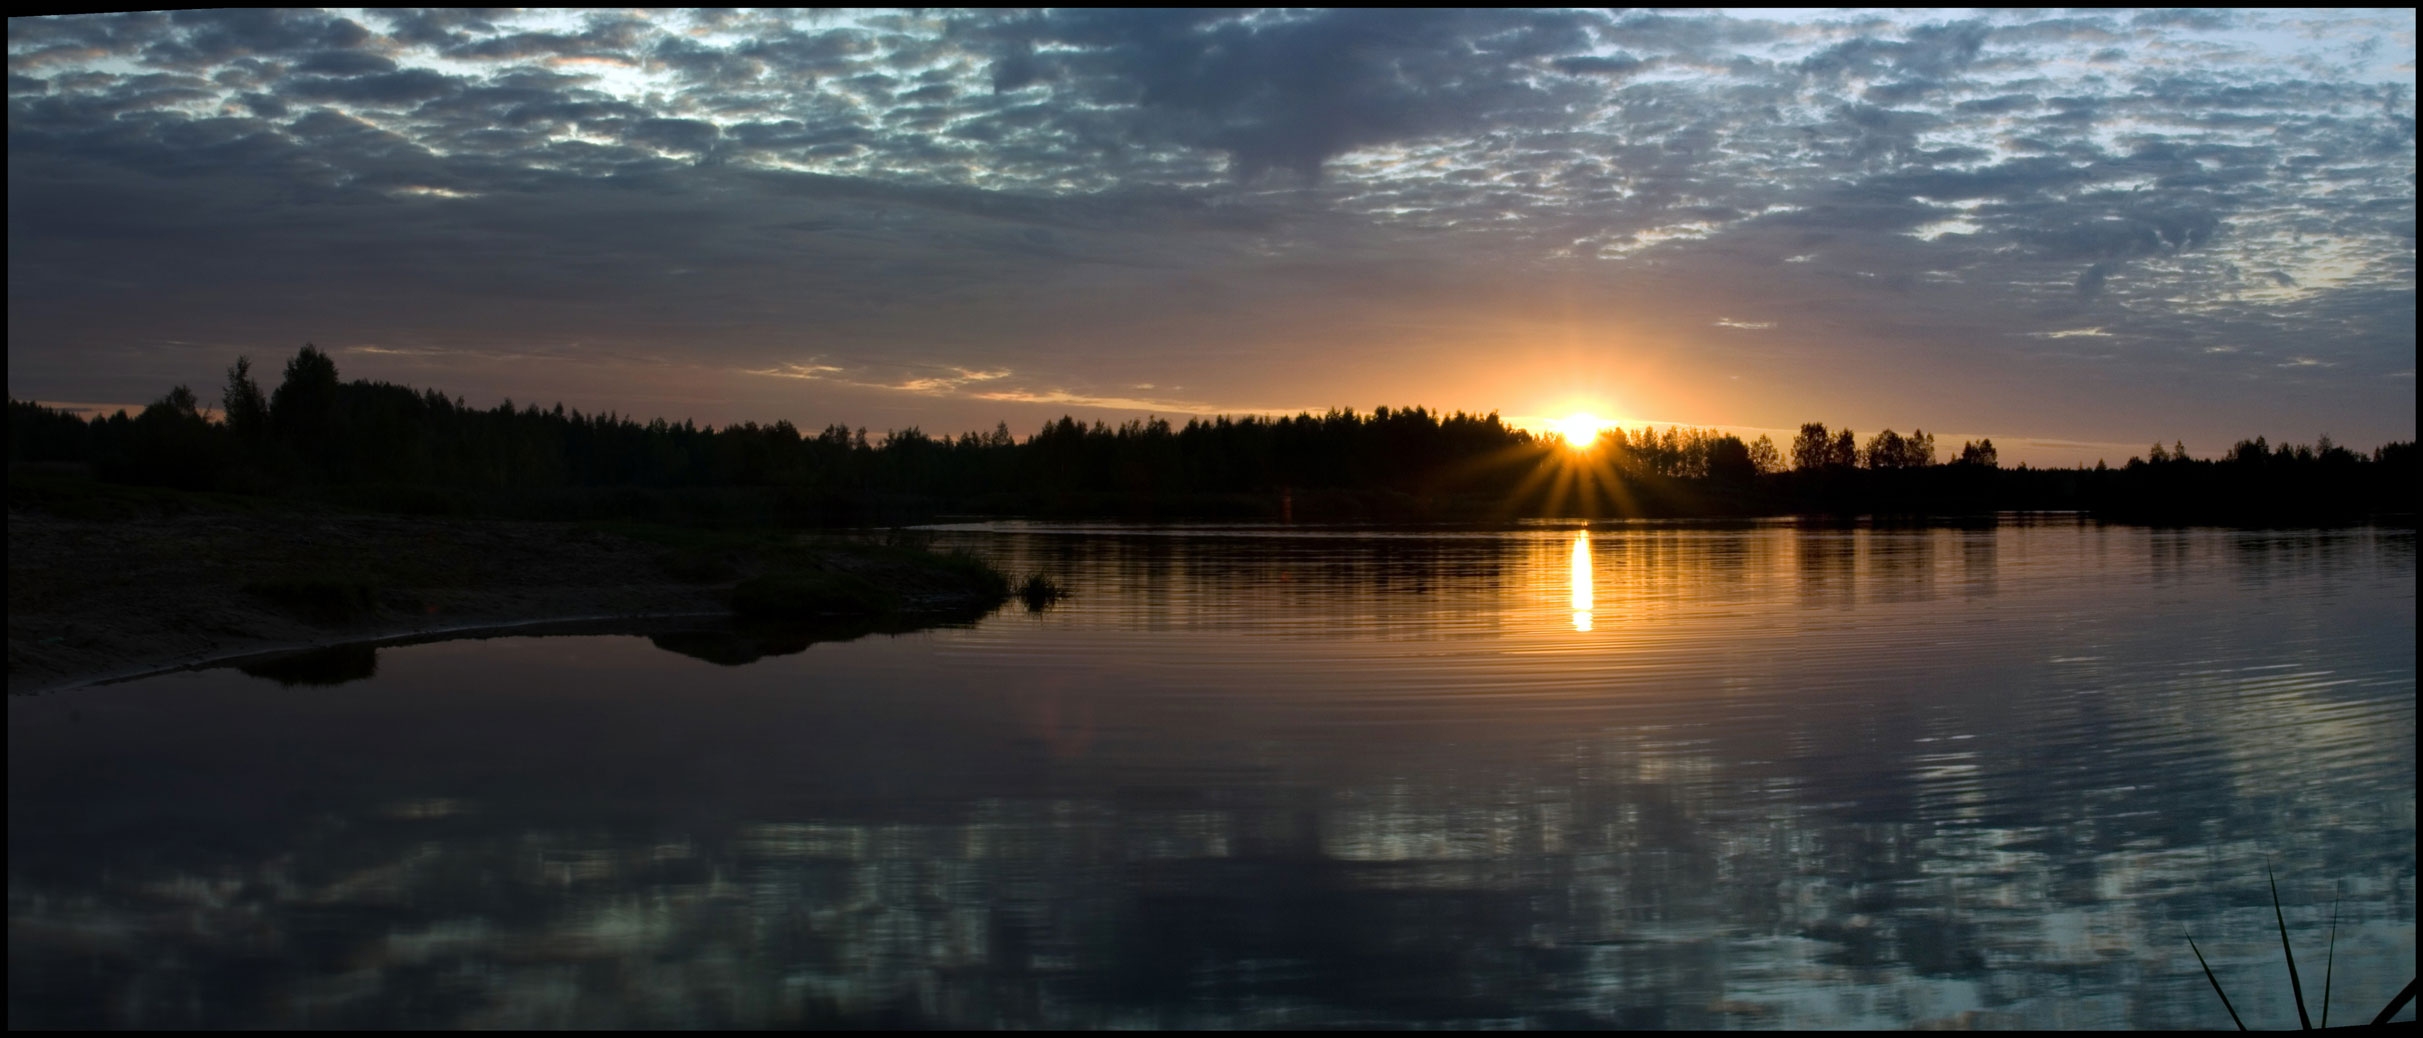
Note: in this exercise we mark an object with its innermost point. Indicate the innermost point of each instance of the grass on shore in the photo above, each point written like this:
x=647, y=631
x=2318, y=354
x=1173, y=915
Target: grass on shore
x=788, y=575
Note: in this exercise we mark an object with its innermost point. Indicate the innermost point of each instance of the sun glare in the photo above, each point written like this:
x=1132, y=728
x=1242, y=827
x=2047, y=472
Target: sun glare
x=1580, y=430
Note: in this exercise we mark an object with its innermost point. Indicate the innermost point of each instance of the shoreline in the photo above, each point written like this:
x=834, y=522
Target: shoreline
x=102, y=601
x=237, y=657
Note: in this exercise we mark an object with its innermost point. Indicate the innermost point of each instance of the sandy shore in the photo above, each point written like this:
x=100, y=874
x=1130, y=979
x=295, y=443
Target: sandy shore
x=99, y=600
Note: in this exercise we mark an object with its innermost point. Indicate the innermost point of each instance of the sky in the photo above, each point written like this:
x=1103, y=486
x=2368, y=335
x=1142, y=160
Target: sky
x=2075, y=233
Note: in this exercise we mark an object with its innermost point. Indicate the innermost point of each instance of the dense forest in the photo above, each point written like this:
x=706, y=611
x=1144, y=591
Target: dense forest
x=390, y=447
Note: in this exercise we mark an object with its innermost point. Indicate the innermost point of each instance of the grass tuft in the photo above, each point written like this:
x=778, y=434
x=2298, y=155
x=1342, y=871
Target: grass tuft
x=2295, y=987
x=1039, y=592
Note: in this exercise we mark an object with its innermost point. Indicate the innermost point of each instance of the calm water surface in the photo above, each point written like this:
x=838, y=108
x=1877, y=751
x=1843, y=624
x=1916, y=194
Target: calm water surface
x=1647, y=775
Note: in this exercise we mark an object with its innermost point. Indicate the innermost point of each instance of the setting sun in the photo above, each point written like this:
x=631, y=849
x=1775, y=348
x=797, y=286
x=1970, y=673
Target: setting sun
x=1580, y=430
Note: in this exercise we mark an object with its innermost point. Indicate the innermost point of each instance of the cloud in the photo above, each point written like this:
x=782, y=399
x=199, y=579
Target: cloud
x=799, y=371
x=1094, y=199
x=941, y=384
x=1291, y=91
x=692, y=135
x=344, y=63
x=2090, y=283
x=199, y=39
x=1064, y=398
x=383, y=90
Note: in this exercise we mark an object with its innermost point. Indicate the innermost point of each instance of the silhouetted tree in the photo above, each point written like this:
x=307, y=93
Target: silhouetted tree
x=1844, y=453
x=308, y=393
x=42, y=434
x=1811, y=448
x=1918, y=450
x=170, y=444
x=245, y=410
x=302, y=412
x=395, y=446
x=1764, y=457
x=1884, y=450
x=1729, y=461
x=179, y=405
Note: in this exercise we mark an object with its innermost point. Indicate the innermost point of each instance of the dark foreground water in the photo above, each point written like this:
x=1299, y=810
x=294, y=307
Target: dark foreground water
x=1643, y=775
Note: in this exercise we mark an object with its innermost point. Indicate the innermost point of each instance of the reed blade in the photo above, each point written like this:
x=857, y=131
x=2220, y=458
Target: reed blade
x=2233, y=1010
x=2330, y=958
x=2396, y=1004
x=2294, y=988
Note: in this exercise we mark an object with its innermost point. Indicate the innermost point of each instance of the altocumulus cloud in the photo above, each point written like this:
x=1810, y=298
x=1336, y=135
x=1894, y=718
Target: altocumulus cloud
x=896, y=212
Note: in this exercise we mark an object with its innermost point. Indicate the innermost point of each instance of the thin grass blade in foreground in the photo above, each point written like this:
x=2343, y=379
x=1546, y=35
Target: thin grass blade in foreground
x=2216, y=983
x=2295, y=988
x=2395, y=1004
x=2330, y=958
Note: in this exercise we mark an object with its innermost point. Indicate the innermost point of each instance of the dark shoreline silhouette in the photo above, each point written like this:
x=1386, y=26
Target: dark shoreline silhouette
x=393, y=448
x=724, y=641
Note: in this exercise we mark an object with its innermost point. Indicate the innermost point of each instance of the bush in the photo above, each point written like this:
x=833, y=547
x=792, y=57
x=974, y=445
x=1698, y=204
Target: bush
x=1039, y=592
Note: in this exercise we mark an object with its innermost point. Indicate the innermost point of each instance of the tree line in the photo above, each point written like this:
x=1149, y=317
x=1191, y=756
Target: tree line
x=396, y=447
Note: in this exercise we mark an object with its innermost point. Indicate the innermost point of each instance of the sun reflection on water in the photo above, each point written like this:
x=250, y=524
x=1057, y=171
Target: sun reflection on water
x=1581, y=580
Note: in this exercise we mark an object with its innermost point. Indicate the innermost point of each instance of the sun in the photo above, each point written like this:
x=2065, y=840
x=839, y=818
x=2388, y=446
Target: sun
x=1580, y=429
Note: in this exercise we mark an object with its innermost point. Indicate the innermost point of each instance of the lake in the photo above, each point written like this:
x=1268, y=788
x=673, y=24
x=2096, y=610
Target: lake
x=1643, y=775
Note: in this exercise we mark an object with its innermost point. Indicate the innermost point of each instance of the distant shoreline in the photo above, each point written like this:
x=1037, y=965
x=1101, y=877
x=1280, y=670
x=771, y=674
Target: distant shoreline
x=111, y=583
